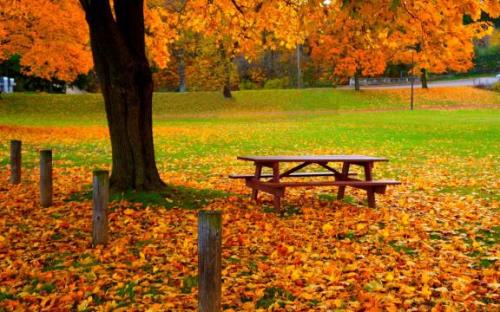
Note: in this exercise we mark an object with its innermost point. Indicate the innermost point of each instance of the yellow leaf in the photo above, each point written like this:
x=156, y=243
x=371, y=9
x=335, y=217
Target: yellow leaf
x=426, y=291
x=389, y=276
x=408, y=290
x=384, y=233
x=128, y=212
x=307, y=296
x=295, y=275
x=405, y=219
x=426, y=277
x=360, y=226
x=338, y=303
x=327, y=228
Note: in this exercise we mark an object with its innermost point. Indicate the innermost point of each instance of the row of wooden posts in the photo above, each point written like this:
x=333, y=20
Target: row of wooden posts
x=209, y=225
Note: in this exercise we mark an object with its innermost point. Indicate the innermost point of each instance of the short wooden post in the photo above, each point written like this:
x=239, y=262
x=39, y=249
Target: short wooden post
x=100, y=196
x=209, y=261
x=15, y=162
x=46, y=178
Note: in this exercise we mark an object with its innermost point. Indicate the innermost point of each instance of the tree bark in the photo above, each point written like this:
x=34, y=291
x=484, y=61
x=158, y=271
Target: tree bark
x=357, y=86
x=181, y=70
x=118, y=48
x=226, y=88
x=423, y=78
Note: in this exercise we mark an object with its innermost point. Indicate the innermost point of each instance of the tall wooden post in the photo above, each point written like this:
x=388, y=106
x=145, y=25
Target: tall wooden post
x=209, y=261
x=15, y=162
x=100, y=197
x=46, y=178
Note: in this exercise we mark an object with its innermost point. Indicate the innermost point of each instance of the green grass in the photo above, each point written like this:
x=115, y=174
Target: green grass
x=199, y=135
x=28, y=108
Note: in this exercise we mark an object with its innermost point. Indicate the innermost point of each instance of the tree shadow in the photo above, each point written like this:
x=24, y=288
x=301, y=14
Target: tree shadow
x=173, y=196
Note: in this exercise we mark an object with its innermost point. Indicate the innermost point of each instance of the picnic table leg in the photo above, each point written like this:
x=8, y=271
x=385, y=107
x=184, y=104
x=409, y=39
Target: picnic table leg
x=370, y=192
x=278, y=193
x=345, y=174
x=258, y=173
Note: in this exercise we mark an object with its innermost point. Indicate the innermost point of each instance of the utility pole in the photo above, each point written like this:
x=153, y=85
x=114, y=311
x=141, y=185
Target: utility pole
x=412, y=76
x=412, y=79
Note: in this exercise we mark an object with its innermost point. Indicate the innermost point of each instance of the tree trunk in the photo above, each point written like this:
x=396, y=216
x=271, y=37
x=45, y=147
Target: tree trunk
x=118, y=49
x=226, y=91
x=182, y=70
x=226, y=88
x=423, y=78
x=357, y=86
x=299, y=66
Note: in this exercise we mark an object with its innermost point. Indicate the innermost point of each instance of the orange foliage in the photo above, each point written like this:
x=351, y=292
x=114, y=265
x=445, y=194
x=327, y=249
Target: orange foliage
x=353, y=39
x=50, y=36
x=435, y=37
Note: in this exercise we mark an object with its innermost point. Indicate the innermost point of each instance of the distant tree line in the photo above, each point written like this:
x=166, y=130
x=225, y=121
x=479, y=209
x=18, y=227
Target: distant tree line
x=203, y=47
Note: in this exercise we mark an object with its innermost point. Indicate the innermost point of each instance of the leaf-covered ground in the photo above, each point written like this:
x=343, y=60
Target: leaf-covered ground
x=431, y=244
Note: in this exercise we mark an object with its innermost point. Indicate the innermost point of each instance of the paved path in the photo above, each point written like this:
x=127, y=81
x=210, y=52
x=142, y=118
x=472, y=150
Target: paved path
x=444, y=83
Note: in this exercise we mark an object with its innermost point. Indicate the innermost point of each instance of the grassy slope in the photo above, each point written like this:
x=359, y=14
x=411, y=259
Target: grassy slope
x=45, y=109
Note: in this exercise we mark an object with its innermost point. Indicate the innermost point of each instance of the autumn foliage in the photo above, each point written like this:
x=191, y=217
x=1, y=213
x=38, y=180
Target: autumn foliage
x=432, y=245
x=349, y=36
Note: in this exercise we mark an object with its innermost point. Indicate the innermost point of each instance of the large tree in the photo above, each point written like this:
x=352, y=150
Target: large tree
x=119, y=52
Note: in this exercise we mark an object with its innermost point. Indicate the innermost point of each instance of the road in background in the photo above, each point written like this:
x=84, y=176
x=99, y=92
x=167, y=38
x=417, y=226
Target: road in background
x=444, y=83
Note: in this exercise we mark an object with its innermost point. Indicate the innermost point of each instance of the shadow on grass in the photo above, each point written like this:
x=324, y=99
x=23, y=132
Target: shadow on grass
x=171, y=197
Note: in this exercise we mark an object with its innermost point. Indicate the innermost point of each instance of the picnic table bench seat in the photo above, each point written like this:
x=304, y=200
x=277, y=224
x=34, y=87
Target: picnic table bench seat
x=357, y=183
x=273, y=184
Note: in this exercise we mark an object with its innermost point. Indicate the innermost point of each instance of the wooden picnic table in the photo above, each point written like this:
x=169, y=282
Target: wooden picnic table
x=273, y=184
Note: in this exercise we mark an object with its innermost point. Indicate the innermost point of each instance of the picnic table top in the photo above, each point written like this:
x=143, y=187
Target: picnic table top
x=314, y=158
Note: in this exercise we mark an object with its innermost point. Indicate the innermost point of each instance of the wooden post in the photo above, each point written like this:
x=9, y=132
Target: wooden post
x=46, y=178
x=100, y=196
x=209, y=261
x=15, y=162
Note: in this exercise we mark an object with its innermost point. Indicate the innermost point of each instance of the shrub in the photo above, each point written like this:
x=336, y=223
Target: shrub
x=278, y=83
x=248, y=85
x=496, y=87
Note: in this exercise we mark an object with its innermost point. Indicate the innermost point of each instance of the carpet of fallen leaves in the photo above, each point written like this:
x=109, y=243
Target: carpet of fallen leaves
x=424, y=248
x=450, y=97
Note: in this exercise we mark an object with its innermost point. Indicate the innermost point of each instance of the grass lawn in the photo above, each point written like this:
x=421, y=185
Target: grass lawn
x=433, y=242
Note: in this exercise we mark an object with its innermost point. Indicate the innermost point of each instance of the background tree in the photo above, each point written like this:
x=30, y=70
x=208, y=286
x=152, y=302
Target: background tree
x=442, y=40
x=50, y=38
x=353, y=39
x=232, y=26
